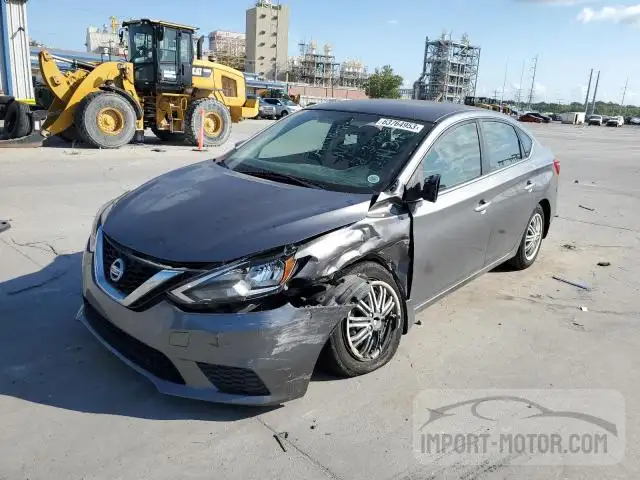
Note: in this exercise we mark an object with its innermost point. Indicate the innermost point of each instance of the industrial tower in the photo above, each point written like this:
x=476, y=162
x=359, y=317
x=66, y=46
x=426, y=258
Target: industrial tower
x=450, y=70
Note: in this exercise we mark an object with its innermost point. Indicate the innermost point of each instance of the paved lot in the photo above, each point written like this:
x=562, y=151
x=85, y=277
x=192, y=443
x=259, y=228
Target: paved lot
x=70, y=410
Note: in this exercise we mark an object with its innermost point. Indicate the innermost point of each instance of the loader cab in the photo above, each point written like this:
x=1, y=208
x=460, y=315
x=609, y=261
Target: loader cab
x=161, y=54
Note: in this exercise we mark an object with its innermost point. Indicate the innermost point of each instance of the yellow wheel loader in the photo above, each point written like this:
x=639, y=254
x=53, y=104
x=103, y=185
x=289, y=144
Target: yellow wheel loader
x=161, y=87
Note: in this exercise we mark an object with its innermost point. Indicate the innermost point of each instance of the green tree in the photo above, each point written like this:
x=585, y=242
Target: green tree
x=383, y=83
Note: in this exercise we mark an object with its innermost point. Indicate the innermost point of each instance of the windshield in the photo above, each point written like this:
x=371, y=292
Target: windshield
x=140, y=43
x=343, y=151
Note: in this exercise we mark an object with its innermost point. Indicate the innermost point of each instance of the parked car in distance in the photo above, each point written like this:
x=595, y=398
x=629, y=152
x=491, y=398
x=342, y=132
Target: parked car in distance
x=556, y=117
x=595, y=120
x=634, y=121
x=266, y=110
x=283, y=107
x=320, y=237
x=616, y=121
x=545, y=118
x=605, y=119
x=530, y=118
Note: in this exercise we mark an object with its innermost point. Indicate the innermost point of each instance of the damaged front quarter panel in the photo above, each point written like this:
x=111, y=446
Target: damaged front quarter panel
x=384, y=236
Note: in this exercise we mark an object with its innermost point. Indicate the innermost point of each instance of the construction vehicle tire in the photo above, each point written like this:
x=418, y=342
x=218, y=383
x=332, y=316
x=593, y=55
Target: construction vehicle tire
x=105, y=120
x=167, y=136
x=17, y=123
x=217, y=122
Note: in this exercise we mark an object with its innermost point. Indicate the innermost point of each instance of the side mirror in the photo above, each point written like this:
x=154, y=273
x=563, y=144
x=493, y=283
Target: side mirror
x=427, y=191
x=121, y=36
x=431, y=188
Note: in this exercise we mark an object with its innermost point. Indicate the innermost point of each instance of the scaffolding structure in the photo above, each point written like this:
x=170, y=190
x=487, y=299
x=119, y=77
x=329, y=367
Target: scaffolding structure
x=314, y=68
x=353, y=73
x=450, y=70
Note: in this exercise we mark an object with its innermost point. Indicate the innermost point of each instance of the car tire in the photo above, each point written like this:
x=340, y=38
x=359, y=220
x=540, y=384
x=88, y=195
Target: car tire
x=340, y=353
x=527, y=251
x=284, y=113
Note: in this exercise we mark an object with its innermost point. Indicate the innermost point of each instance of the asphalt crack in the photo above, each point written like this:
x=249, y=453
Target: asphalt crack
x=288, y=442
x=626, y=229
x=53, y=278
x=37, y=245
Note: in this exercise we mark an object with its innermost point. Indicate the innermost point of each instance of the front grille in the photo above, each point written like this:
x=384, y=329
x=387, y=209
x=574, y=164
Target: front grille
x=239, y=381
x=134, y=350
x=135, y=271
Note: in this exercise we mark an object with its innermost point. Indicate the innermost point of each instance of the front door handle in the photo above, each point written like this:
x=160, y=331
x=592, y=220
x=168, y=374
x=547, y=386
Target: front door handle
x=482, y=206
x=529, y=186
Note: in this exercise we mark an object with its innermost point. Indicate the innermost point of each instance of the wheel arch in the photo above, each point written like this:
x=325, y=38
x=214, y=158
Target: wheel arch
x=546, y=208
x=375, y=257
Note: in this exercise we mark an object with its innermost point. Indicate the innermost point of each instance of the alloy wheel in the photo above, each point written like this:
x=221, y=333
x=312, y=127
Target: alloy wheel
x=370, y=325
x=533, y=237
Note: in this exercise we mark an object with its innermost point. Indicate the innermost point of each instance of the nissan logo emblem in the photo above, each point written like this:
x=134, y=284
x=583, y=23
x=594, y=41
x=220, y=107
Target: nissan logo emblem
x=116, y=271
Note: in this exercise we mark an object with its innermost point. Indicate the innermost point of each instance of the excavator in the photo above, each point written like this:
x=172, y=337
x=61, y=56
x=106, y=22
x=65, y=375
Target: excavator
x=163, y=85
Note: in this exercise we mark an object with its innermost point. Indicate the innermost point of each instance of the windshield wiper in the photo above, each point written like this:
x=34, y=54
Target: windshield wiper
x=282, y=177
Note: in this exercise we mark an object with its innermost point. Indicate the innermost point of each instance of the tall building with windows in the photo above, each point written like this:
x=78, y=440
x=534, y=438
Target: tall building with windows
x=267, y=41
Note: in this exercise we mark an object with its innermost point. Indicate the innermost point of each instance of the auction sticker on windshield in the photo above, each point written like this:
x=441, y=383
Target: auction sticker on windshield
x=400, y=124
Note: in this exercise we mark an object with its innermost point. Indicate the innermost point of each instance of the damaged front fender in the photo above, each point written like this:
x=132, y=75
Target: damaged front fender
x=384, y=235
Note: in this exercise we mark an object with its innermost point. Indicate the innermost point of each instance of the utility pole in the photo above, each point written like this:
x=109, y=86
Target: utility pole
x=520, y=86
x=595, y=91
x=533, y=80
x=624, y=92
x=586, y=100
x=504, y=83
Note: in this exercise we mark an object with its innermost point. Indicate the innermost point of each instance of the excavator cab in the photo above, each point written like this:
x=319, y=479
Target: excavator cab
x=161, y=54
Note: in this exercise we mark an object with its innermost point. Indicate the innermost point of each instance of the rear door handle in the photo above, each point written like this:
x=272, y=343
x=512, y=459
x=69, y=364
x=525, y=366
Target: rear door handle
x=482, y=206
x=529, y=186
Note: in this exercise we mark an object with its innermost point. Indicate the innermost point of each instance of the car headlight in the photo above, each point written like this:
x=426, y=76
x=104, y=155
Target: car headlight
x=99, y=219
x=237, y=282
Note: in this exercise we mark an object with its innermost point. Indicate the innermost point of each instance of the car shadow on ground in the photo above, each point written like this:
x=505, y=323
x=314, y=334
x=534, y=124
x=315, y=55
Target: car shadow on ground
x=48, y=357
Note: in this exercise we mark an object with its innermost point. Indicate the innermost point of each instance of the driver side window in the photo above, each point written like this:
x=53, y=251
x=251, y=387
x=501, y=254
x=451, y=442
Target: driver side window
x=455, y=156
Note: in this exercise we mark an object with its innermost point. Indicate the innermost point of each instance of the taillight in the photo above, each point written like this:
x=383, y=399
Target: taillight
x=556, y=166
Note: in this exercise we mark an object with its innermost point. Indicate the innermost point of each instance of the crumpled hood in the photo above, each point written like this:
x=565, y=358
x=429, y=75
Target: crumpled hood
x=207, y=213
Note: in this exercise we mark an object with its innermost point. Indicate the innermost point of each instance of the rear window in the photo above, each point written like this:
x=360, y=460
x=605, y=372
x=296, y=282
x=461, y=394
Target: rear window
x=503, y=147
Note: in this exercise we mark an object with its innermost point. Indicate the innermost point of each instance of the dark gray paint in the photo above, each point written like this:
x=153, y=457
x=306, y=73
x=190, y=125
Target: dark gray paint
x=420, y=110
x=206, y=213
x=281, y=346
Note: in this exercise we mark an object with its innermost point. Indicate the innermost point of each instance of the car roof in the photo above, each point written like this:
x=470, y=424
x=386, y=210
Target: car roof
x=422, y=110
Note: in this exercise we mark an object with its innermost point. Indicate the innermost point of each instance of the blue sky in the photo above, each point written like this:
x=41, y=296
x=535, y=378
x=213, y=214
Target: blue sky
x=569, y=36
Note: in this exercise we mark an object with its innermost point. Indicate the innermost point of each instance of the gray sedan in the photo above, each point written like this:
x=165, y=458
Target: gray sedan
x=319, y=238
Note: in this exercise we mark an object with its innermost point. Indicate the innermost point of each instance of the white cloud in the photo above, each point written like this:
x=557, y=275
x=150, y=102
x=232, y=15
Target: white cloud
x=393, y=21
x=618, y=14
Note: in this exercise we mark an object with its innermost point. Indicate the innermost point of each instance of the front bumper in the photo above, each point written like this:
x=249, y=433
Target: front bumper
x=257, y=358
